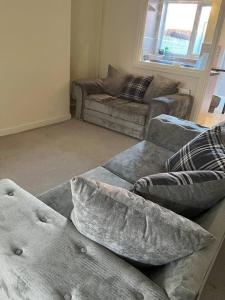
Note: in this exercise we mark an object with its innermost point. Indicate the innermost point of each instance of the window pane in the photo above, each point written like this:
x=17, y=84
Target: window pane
x=202, y=26
x=178, y=28
x=175, y=32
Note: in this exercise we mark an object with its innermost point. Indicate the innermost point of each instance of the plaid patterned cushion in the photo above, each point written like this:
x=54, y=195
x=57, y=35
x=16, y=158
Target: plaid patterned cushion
x=135, y=88
x=205, y=152
x=188, y=193
x=179, y=178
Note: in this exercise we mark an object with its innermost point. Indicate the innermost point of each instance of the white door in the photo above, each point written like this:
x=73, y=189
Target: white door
x=214, y=98
x=220, y=86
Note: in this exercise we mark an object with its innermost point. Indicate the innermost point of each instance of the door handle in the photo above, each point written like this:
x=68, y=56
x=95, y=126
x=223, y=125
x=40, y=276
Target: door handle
x=218, y=70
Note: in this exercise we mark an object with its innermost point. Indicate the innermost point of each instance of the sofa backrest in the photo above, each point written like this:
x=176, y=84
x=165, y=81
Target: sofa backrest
x=172, y=133
x=185, y=278
x=213, y=221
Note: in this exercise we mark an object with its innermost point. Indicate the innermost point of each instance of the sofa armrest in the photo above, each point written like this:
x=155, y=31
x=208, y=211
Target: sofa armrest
x=178, y=105
x=172, y=133
x=89, y=87
x=81, y=88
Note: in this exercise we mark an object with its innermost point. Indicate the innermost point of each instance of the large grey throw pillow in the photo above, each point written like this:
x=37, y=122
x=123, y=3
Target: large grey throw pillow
x=114, y=81
x=186, y=193
x=132, y=227
x=160, y=86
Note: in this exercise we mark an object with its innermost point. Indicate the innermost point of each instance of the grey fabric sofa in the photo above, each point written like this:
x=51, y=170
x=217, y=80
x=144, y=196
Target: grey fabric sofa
x=44, y=257
x=183, y=279
x=125, y=116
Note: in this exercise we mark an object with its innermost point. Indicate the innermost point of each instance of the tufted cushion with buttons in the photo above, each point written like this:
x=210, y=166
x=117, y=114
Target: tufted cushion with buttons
x=42, y=256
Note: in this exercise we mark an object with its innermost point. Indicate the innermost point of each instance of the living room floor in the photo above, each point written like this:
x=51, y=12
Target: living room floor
x=43, y=158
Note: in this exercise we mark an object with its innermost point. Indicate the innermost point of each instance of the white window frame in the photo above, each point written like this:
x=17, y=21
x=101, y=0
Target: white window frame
x=200, y=4
x=179, y=71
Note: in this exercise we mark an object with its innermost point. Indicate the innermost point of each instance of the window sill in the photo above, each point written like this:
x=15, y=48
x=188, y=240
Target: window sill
x=171, y=68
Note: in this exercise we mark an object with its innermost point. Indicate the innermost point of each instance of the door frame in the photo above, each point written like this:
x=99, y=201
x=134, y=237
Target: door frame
x=202, y=106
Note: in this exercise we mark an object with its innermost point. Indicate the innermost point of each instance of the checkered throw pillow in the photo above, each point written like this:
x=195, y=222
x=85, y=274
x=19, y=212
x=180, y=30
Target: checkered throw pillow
x=205, y=152
x=179, y=178
x=188, y=193
x=135, y=88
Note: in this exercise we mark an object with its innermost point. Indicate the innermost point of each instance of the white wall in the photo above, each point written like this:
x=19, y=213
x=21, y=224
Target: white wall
x=120, y=25
x=85, y=37
x=34, y=63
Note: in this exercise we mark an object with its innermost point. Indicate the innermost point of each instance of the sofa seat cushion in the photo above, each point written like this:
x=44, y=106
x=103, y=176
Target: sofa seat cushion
x=119, y=108
x=42, y=256
x=60, y=198
x=144, y=158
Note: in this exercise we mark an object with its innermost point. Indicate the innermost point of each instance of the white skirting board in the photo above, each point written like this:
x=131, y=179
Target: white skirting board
x=33, y=125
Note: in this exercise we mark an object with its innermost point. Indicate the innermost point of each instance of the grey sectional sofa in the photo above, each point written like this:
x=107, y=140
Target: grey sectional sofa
x=183, y=279
x=44, y=257
x=125, y=116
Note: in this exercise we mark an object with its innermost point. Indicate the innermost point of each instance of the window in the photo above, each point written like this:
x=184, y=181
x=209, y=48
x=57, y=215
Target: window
x=175, y=31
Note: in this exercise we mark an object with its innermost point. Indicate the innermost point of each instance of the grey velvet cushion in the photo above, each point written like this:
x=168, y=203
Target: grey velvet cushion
x=132, y=227
x=205, y=152
x=60, y=198
x=160, y=86
x=143, y=159
x=186, y=193
x=44, y=257
x=114, y=81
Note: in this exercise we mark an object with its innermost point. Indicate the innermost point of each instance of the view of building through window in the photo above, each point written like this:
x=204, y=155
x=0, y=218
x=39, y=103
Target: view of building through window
x=175, y=31
x=178, y=28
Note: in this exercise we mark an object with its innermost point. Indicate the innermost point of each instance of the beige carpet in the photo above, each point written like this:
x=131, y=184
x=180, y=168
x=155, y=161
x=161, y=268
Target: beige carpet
x=42, y=158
